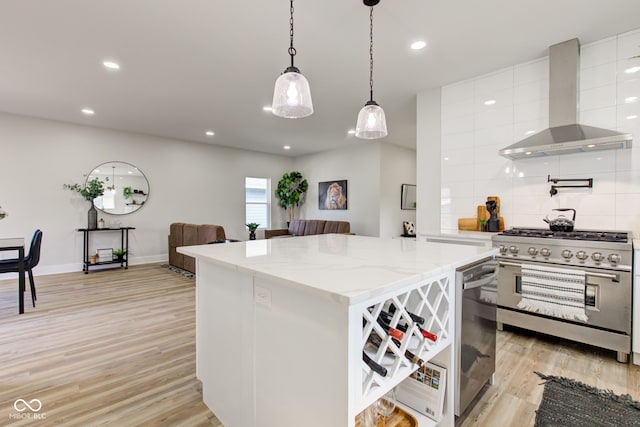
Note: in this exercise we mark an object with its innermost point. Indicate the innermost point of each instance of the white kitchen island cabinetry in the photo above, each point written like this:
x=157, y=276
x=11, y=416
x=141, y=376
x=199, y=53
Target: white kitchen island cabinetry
x=281, y=324
x=635, y=329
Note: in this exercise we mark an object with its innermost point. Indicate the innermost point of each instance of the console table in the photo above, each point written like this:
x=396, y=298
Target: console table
x=124, y=244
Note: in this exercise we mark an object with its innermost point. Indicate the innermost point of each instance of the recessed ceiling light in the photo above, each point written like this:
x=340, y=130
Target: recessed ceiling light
x=418, y=45
x=111, y=65
x=490, y=102
x=88, y=112
x=631, y=99
x=632, y=70
x=591, y=145
x=446, y=158
x=521, y=175
x=287, y=147
x=209, y=133
x=267, y=108
x=530, y=132
x=631, y=117
x=528, y=153
x=351, y=132
x=129, y=172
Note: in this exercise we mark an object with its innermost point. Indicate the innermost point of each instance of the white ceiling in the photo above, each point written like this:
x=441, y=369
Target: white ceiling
x=193, y=65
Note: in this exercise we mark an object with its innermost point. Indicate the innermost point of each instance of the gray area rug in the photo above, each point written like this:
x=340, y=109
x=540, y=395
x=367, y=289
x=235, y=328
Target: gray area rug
x=185, y=273
x=569, y=403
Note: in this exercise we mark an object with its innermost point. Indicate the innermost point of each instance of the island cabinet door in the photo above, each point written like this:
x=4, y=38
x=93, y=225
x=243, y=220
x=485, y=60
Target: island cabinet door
x=301, y=356
x=224, y=342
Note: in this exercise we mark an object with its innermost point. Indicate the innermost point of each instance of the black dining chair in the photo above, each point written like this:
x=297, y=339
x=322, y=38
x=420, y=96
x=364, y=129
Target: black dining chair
x=30, y=261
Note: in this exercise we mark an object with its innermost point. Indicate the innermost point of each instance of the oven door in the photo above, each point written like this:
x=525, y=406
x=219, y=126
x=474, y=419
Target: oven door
x=607, y=294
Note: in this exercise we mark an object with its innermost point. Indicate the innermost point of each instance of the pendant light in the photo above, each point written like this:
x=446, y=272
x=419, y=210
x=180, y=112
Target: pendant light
x=372, y=123
x=291, y=95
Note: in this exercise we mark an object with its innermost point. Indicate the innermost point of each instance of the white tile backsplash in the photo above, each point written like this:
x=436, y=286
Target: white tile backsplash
x=583, y=165
x=598, y=97
x=601, y=75
x=457, y=92
x=490, y=85
x=598, y=53
x=533, y=110
x=531, y=71
x=475, y=170
x=532, y=91
x=601, y=117
x=629, y=44
x=495, y=136
x=457, y=141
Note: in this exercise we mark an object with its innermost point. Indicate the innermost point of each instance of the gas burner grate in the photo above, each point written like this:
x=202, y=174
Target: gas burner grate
x=598, y=236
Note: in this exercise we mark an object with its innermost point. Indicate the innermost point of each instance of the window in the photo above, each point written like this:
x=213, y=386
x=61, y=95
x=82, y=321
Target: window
x=258, y=202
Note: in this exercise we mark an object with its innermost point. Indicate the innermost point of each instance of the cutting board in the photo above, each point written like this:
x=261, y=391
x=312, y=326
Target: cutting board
x=483, y=213
x=468, y=224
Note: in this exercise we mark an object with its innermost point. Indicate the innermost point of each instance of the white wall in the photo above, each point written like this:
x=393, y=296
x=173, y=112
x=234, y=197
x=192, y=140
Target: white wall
x=189, y=182
x=397, y=166
x=473, y=132
x=374, y=171
x=359, y=164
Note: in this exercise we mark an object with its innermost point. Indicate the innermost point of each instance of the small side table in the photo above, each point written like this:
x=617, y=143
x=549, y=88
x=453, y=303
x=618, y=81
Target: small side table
x=124, y=244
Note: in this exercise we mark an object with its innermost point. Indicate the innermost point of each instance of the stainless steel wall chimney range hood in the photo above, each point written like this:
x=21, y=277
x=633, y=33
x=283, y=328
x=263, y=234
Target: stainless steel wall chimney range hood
x=564, y=134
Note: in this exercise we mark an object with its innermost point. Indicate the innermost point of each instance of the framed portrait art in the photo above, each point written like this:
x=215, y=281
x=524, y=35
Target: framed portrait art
x=332, y=195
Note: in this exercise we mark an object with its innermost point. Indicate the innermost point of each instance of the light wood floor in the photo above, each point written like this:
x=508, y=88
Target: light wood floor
x=118, y=347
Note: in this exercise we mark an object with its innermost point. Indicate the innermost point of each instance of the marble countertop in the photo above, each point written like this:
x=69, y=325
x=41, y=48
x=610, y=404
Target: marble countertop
x=352, y=268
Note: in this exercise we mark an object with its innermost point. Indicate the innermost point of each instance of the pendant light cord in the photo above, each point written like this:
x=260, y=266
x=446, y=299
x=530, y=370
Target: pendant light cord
x=292, y=50
x=371, y=52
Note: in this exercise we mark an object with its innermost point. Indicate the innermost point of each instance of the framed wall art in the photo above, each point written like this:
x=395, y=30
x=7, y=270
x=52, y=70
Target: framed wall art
x=332, y=195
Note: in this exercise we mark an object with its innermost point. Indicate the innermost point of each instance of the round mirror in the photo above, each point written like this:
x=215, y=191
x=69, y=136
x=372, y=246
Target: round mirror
x=126, y=189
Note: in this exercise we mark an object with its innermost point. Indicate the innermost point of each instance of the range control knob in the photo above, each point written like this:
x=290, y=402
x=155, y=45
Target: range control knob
x=503, y=249
x=566, y=254
x=597, y=256
x=533, y=251
x=545, y=252
x=614, y=258
x=513, y=249
x=581, y=255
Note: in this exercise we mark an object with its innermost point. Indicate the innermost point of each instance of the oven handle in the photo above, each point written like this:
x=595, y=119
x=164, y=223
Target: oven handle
x=509, y=264
x=613, y=277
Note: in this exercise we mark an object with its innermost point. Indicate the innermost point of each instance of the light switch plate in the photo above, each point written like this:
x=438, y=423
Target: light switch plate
x=262, y=296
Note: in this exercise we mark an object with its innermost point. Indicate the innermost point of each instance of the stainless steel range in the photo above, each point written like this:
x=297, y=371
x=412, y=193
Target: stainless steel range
x=596, y=266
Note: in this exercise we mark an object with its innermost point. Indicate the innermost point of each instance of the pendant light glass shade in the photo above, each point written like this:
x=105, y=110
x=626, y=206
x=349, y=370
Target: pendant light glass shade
x=372, y=123
x=291, y=95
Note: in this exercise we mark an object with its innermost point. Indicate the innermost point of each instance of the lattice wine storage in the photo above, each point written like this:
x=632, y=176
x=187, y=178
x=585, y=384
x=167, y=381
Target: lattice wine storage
x=426, y=306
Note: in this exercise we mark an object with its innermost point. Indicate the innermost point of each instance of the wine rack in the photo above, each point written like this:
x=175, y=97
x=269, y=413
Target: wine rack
x=431, y=300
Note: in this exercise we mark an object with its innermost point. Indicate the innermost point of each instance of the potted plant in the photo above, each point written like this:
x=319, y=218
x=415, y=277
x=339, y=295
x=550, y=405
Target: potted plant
x=252, y=226
x=3, y=213
x=119, y=254
x=291, y=189
x=127, y=192
x=94, y=188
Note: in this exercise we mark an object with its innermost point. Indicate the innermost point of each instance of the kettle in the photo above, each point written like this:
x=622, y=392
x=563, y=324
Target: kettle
x=561, y=223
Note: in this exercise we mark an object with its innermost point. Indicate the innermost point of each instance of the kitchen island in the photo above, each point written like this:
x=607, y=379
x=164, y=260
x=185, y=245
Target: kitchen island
x=281, y=324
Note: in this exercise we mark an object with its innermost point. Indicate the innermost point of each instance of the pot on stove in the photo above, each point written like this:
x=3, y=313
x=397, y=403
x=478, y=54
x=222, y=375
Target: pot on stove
x=561, y=223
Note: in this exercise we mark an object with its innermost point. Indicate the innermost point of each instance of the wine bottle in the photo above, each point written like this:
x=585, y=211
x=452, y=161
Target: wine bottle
x=381, y=370
x=418, y=319
x=403, y=327
x=393, y=332
x=377, y=341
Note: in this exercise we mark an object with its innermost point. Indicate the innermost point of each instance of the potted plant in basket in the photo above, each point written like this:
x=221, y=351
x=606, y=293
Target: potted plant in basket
x=93, y=188
x=252, y=226
x=291, y=189
x=119, y=254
